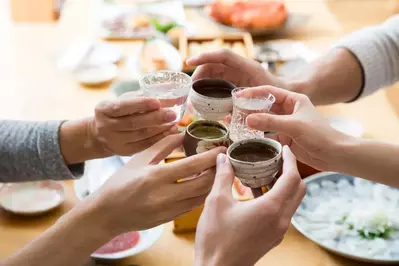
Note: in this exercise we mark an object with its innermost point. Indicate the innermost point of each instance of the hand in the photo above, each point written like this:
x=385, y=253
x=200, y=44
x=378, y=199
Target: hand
x=130, y=124
x=144, y=194
x=299, y=125
x=227, y=65
x=239, y=233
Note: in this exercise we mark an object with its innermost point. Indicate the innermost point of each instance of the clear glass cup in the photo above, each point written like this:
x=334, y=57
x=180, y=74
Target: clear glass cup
x=244, y=104
x=170, y=88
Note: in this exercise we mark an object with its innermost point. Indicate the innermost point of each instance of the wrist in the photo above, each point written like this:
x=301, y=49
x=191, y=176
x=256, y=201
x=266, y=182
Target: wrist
x=78, y=143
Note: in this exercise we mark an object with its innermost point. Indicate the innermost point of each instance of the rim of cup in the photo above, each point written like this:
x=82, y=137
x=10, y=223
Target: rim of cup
x=275, y=144
x=270, y=97
x=230, y=85
x=215, y=123
x=189, y=79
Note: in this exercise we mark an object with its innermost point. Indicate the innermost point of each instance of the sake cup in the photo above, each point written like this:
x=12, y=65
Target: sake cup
x=204, y=135
x=212, y=99
x=256, y=162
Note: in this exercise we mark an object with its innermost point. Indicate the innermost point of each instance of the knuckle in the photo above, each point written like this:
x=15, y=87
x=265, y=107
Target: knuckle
x=225, y=52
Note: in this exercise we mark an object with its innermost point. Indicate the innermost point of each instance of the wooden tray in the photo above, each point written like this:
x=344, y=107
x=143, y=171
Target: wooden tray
x=244, y=37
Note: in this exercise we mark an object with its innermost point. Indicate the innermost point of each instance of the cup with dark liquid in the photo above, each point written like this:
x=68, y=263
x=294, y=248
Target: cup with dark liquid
x=212, y=99
x=204, y=135
x=256, y=162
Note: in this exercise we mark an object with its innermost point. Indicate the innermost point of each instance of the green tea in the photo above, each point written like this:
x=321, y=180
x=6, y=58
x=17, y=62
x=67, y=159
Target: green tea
x=208, y=132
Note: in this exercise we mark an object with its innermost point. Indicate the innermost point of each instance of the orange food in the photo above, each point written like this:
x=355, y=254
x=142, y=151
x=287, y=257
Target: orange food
x=186, y=120
x=242, y=191
x=251, y=14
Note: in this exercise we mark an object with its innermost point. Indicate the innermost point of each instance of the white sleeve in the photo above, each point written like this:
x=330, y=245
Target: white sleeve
x=377, y=49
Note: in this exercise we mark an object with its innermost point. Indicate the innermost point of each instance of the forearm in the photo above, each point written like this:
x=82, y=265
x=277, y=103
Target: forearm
x=369, y=159
x=334, y=78
x=69, y=242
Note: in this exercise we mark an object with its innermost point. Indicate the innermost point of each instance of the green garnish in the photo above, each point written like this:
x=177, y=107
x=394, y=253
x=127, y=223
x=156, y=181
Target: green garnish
x=164, y=28
x=372, y=236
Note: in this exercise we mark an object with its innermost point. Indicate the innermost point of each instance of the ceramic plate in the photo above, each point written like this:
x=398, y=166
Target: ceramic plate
x=31, y=198
x=147, y=239
x=95, y=75
x=292, y=21
x=334, y=177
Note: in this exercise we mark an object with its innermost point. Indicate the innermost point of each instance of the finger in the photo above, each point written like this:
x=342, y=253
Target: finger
x=188, y=204
x=209, y=71
x=197, y=186
x=224, y=176
x=276, y=123
x=127, y=137
x=127, y=106
x=138, y=121
x=288, y=183
x=190, y=166
x=156, y=148
x=221, y=56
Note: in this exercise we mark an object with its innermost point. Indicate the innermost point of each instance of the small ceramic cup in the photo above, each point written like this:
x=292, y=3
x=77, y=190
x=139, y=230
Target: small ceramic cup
x=259, y=172
x=204, y=135
x=212, y=99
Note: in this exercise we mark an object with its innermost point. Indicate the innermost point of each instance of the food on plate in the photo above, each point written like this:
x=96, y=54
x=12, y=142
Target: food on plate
x=120, y=243
x=159, y=55
x=196, y=48
x=186, y=120
x=359, y=218
x=249, y=14
x=138, y=24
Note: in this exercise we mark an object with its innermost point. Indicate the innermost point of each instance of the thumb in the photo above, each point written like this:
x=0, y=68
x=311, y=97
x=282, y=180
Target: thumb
x=275, y=123
x=224, y=176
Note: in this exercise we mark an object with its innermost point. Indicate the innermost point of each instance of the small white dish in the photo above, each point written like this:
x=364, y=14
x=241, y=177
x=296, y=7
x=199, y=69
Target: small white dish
x=103, y=53
x=146, y=240
x=347, y=126
x=95, y=75
x=31, y=198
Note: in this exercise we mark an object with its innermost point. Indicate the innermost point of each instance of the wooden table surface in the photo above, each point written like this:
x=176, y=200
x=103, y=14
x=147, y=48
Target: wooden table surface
x=32, y=88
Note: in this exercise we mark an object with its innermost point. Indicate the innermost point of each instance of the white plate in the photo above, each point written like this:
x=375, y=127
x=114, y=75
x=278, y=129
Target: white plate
x=334, y=177
x=31, y=198
x=347, y=126
x=147, y=239
x=95, y=75
x=103, y=53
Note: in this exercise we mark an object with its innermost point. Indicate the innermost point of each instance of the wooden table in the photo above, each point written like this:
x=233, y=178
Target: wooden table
x=32, y=88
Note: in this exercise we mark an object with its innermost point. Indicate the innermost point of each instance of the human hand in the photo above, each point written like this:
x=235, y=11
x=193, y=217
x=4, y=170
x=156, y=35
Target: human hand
x=227, y=65
x=299, y=125
x=130, y=124
x=232, y=233
x=143, y=194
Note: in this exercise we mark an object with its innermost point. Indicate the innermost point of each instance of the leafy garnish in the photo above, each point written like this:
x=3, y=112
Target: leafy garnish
x=164, y=28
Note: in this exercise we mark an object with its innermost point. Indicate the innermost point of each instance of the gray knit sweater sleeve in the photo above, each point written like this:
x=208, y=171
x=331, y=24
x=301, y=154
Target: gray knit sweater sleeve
x=377, y=49
x=30, y=151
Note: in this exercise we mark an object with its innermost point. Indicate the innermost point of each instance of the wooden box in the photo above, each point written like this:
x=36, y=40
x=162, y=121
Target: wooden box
x=194, y=45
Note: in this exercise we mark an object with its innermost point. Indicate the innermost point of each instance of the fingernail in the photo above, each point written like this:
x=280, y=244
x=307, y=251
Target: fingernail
x=154, y=104
x=170, y=116
x=253, y=121
x=221, y=159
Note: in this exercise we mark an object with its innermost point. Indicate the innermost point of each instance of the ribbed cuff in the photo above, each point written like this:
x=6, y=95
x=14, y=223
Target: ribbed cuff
x=363, y=46
x=51, y=156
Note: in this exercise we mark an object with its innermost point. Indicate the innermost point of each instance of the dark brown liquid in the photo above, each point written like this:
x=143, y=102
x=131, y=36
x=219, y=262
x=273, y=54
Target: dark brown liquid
x=254, y=152
x=215, y=92
x=208, y=132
